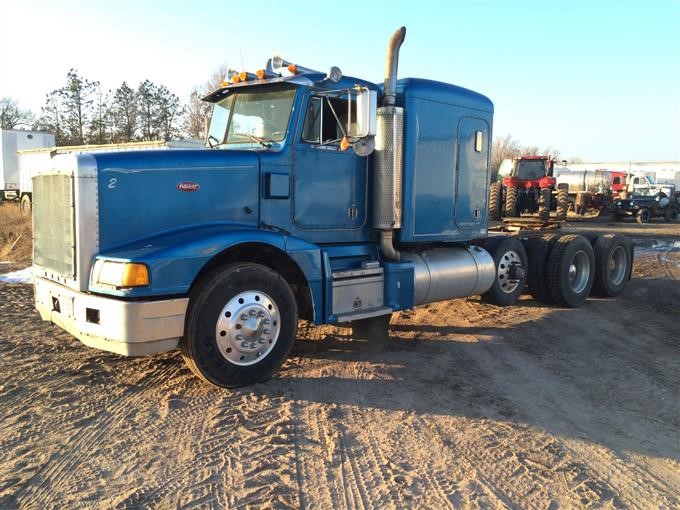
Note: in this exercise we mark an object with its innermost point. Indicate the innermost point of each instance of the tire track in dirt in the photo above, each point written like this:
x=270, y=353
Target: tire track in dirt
x=48, y=481
x=519, y=370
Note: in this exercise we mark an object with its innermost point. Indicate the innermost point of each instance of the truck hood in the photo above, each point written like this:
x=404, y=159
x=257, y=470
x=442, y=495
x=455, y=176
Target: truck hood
x=144, y=193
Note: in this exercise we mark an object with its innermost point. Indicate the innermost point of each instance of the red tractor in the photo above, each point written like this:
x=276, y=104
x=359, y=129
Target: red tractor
x=526, y=185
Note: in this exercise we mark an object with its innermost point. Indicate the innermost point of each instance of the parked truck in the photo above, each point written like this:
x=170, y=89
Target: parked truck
x=309, y=201
x=11, y=141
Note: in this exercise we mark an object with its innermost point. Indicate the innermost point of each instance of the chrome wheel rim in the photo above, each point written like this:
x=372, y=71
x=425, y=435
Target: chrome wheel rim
x=505, y=275
x=248, y=328
x=617, y=265
x=579, y=271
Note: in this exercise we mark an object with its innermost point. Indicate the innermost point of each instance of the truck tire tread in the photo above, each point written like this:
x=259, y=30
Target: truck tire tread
x=557, y=273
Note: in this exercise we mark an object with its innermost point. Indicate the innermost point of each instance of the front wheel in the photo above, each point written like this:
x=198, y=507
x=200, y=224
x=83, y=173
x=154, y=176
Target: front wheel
x=643, y=215
x=240, y=326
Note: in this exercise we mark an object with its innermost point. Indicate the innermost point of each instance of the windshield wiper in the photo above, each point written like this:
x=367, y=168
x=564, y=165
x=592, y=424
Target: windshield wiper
x=265, y=142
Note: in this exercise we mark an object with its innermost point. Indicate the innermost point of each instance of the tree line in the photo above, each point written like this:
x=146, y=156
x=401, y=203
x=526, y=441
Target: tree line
x=83, y=112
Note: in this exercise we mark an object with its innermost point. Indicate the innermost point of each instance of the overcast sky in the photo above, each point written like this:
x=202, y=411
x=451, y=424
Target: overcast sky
x=599, y=80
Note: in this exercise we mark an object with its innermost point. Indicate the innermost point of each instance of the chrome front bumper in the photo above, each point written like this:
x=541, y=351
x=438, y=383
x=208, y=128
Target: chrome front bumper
x=130, y=328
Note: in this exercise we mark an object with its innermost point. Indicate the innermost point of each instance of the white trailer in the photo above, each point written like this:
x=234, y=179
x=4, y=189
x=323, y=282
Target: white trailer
x=35, y=160
x=11, y=141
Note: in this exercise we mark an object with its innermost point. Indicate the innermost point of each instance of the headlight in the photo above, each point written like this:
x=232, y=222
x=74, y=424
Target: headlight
x=618, y=204
x=120, y=274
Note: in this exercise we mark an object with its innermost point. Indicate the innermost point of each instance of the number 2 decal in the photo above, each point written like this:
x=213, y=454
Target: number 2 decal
x=112, y=183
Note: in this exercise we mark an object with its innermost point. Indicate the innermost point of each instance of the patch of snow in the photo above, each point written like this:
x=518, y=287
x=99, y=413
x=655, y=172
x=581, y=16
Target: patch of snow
x=21, y=276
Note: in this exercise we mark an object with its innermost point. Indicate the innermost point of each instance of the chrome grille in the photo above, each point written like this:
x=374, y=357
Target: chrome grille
x=53, y=224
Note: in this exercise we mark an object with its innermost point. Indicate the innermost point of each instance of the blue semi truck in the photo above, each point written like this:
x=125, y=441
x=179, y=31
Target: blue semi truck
x=318, y=196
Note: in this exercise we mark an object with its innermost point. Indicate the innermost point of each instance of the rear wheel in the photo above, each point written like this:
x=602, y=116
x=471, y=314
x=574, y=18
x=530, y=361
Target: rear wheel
x=612, y=265
x=562, y=204
x=240, y=325
x=570, y=270
x=25, y=205
x=544, y=204
x=495, y=197
x=510, y=260
x=510, y=210
x=643, y=215
x=539, y=251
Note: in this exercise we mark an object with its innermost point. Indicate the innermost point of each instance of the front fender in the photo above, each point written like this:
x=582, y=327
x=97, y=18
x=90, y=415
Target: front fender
x=176, y=258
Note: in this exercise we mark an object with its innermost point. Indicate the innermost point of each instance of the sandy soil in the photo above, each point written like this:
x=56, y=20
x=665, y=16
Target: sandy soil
x=466, y=406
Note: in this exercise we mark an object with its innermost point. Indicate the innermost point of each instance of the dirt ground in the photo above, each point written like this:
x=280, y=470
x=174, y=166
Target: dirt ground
x=466, y=406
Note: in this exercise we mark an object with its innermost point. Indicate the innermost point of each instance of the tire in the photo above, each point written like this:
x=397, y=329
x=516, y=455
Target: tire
x=25, y=205
x=510, y=261
x=544, y=205
x=510, y=209
x=495, y=196
x=674, y=214
x=562, y=204
x=539, y=251
x=618, y=217
x=245, y=299
x=667, y=214
x=373, y=328
x=612, y=265
x=571, y=270
x=643, y=215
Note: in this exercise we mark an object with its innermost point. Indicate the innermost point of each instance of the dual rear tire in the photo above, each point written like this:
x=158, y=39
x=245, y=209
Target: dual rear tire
x=566, y=269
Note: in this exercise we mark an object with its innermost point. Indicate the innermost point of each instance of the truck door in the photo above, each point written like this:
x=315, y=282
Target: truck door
x=472, y=172
x=329, y=190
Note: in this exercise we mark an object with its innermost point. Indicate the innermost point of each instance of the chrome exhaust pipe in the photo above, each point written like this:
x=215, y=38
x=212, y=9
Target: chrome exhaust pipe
x=387, y=205
x=391, y=65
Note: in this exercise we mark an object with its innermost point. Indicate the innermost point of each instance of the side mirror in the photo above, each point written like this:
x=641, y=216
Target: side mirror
x=367, y=120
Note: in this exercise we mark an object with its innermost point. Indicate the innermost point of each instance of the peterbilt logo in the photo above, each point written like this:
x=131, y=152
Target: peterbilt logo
x=187, y=186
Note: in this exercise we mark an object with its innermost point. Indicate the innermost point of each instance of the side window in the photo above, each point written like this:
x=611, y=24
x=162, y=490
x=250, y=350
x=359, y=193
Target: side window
x=617, y=180
x=326, y=119
x=312, y=127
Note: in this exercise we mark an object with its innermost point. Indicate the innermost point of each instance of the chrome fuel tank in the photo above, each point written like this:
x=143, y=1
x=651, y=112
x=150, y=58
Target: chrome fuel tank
x=447, y=273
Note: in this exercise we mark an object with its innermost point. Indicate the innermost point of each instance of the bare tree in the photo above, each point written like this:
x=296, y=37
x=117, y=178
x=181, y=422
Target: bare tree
x=168, y=109
x=146, y=94
x=76, y=98
x=197, y=111
x=124, y=112
x=51, y=118
x=101, y=120
x=11, y=116
x=503, y=148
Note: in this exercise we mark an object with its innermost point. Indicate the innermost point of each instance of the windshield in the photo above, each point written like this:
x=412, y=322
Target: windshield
x=251, y=116
x=531, y=169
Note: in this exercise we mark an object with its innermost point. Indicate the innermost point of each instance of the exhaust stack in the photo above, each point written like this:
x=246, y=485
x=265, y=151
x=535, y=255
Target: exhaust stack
x=388, y=155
